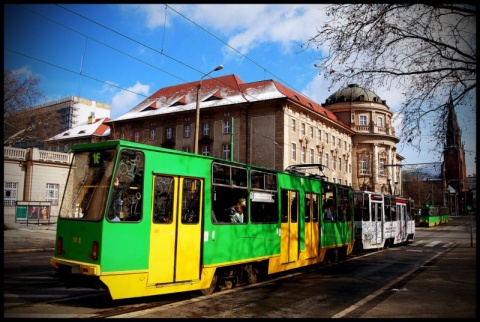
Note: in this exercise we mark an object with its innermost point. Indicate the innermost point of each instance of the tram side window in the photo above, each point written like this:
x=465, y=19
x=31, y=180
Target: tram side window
x=263, y=197
x=387, y=208
x=264, y=212
x=230, y=202
x=366, y=213
x=163, y=193
x=227, y=203
x=344, y=213
x=393, y=213
x=359, y=208
x=329, y=205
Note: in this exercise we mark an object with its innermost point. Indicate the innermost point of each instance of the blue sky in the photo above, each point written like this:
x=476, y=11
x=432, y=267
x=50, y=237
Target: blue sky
x=121, y=54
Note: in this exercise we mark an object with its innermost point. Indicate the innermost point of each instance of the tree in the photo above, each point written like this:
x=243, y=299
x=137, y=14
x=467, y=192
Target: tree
x=22, y=123
x=427, y=51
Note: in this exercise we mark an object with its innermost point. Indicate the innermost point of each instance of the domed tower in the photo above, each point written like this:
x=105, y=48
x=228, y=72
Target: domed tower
x=375, y=164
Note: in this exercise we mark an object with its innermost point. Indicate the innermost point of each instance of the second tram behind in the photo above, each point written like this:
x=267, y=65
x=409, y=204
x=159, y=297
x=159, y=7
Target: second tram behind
x=382, y=220
x=430, y=216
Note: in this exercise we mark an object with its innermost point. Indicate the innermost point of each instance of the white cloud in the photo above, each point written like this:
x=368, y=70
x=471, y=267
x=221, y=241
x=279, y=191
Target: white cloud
x=246, y=27
x=124, y=101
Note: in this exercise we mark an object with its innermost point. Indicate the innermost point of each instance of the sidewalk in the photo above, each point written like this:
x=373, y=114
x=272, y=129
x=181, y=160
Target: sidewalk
x=29, y=239
x=444, y=287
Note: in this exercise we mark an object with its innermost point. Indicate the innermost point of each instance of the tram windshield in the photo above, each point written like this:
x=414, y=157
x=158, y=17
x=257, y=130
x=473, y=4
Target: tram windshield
x=91, y=178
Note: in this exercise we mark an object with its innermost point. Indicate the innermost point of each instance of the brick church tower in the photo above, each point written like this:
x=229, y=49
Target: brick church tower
x=454, y=160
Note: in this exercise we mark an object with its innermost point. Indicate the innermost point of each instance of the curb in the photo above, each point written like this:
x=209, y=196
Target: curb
x=32, y=250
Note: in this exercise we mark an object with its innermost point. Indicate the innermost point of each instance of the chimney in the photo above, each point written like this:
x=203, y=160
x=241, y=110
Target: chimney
x=91, y=118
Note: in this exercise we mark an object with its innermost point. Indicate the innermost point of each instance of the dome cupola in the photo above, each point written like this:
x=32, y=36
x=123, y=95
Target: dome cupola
x=353, y=93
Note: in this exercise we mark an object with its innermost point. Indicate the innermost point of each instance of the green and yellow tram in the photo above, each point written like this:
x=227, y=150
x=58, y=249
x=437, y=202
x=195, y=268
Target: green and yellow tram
x=430, y=216
x=141, y=220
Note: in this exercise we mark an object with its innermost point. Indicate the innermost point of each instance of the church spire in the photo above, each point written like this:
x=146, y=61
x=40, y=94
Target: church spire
x=453, y=135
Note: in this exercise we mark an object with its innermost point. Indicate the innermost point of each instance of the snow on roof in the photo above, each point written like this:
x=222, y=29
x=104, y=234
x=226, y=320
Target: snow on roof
x=97, y=128
x=219, y=91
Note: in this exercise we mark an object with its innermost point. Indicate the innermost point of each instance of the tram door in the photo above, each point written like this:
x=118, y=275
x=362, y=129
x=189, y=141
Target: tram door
x=376, y=217
x=176, y=229
x=311, y=224
x=402, y=223
x=289, y=226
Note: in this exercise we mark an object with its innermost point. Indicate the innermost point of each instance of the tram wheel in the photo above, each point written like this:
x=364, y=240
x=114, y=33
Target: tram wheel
x=252, y=274
x=212, y=288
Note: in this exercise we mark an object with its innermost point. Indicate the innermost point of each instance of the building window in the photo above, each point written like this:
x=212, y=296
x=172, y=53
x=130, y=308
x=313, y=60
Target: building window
x=294, y=126
x=319, y=135
x=345, y=145
x=122, y=136
x=320, y=159
x=303, y=153
x=380, y=121
x=206, y=129
x=227, y=127
x=363, y=164
x=226, y=151
x=152, y=134
x=334, y=162
x=186, y=131
x=294, y=152
x=65, y=148
x=311, y=132
x=339, y=164
x=169, y=133
x=326, y=138
x=326, y=160
x=186, y=149
x=205, y=150
x=363, y=120
x=333, y=141
x=311, y=156
x=381, y=167
x=339, y=143
x=10, y=193
x=51, y=193
x=303, y=129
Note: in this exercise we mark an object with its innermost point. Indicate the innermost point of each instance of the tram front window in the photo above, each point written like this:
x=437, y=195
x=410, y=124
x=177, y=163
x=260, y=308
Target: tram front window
x=89, y=181
x=87, y=185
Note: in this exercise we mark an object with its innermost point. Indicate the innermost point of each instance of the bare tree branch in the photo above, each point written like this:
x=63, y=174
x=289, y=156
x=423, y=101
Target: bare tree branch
x=426, y=51
x=22, y=124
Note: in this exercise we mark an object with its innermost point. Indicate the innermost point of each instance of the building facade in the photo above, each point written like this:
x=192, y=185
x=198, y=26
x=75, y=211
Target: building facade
x=377, y=166
x=262, y=123
x=267, y=124
x=33, y=179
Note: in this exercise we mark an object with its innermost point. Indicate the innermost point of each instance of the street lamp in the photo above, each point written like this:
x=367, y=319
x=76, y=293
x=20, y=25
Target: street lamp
x=197, y=121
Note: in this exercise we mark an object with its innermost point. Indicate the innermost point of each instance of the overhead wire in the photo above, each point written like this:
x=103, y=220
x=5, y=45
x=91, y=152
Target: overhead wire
x=146, y=46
